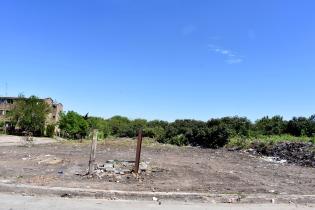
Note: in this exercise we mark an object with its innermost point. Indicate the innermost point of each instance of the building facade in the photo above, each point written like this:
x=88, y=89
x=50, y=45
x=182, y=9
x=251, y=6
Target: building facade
x=7, y=104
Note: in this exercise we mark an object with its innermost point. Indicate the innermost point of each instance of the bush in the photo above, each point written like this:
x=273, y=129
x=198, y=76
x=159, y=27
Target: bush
x=236, y=126
x=301, y=126
x=216, y=136
x=195, y=133
x=154, y=132
x=270, y=126
x=50, y=130
x=73, y=125
x=179, y=140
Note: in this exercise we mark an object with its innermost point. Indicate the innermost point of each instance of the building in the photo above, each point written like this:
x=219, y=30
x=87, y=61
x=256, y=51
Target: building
x=7, y=104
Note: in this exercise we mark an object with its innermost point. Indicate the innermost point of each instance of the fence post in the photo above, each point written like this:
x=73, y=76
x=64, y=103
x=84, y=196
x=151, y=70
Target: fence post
x=138, y=152
x=92, y=153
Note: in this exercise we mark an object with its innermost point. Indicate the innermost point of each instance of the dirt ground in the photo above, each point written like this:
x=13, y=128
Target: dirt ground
x=184, y=169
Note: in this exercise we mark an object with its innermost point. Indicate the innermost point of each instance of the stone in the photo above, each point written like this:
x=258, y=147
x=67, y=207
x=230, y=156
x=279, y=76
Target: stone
x=116, y=171
x=108, y=165
x=109, y=169
x=143, y=166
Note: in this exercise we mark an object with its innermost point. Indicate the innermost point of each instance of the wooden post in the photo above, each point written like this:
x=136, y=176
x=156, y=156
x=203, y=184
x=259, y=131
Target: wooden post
x=92, y=154
x=138, y=152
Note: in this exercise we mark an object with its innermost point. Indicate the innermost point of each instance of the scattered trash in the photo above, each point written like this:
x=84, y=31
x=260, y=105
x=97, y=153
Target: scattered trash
x=291, y=152
x=273, y=159
x=155, y=199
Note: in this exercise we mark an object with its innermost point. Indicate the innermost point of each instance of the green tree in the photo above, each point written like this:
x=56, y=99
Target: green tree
x=270, y=126
x=120, y=126
x=30, y=114
x=301, y=126
x=100, y=124
x=73, y=125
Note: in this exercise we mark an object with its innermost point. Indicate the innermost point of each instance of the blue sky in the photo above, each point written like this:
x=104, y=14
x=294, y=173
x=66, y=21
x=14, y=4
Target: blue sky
x=162, y=59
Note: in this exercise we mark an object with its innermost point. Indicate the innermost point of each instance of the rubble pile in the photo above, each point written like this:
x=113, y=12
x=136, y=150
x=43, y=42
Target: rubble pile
x=293, y=152
x=119, y=168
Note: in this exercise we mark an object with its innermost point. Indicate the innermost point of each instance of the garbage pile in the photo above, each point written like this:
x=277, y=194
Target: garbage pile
x=293, y=152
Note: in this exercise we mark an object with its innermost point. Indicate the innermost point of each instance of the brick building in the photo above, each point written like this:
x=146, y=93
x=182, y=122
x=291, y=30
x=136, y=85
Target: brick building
x=7, y=104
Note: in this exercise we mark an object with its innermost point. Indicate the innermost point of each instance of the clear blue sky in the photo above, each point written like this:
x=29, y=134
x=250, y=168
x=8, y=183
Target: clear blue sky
x=162, y=59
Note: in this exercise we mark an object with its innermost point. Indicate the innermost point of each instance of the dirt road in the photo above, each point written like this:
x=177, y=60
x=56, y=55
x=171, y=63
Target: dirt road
x=6, y=140
x=16, y=202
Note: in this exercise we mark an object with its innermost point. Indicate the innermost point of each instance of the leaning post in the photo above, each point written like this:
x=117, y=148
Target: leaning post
x=93, y=151
x=138, y=152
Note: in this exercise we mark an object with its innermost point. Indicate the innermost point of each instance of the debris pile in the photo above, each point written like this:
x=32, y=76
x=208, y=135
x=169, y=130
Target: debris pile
x=293, y=152
x=119, y=167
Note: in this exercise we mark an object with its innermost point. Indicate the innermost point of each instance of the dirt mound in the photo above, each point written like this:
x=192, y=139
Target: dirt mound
x=294, y=152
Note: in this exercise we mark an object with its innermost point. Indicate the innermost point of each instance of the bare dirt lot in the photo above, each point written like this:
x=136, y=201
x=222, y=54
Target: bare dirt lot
x=183, y=169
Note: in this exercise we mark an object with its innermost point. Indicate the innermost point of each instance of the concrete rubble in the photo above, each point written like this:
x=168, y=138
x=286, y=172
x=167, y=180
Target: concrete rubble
x=119, y=168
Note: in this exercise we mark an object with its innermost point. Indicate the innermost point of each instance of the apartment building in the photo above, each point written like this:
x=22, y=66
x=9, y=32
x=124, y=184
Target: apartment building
x=7, y=104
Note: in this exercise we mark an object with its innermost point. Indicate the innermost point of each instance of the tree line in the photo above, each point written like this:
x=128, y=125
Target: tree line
x=211, y=134
x=30, y=114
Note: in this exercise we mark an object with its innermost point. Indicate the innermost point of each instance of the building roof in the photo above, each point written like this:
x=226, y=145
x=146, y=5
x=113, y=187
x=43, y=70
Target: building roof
x=8, y=97
x=15, y=98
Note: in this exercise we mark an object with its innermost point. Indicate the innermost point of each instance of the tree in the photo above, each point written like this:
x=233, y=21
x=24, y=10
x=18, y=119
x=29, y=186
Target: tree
x=119, y=126
x=301, y=126
x=100, y=124
x=30, y=114
x=73, y=125
x=236, y=126
x=270, y=126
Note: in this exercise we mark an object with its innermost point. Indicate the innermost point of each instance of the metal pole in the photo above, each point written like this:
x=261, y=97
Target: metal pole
x=138, y=152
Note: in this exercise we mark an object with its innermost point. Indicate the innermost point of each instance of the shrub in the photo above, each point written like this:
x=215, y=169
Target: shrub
x=216, y=136
x=270, y=126
x=73, y=125
x=301, y=126
x=50, y=130
x=154, y=132
x=179, y=140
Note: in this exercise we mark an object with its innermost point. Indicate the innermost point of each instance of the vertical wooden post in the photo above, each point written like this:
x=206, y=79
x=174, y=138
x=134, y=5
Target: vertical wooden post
x=138, y=152
x=92, y=154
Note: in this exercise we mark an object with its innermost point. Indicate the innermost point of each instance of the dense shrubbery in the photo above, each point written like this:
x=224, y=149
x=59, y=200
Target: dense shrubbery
x=73, y=125
x=211, y=134
x=270, y=126
x=50, y=130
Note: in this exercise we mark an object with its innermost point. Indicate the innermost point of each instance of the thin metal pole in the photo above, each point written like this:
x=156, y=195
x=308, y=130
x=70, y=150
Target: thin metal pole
x=138, y=152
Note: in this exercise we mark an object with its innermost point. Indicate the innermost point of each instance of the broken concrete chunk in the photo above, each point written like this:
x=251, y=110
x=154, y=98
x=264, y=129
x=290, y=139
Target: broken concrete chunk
x=143, y=166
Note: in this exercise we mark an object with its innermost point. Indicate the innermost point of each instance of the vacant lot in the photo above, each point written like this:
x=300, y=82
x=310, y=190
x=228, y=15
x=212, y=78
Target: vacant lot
x=175, y=169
